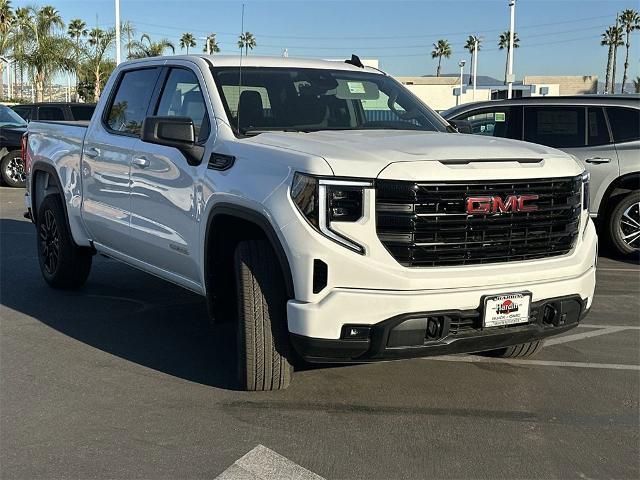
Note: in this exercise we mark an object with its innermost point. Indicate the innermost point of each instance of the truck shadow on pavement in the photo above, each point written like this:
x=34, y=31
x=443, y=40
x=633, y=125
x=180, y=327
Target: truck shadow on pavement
x=121, y=311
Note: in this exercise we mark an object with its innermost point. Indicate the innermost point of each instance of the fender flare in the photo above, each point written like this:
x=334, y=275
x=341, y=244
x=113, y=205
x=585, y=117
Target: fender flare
x=263, y=223
x=45, y=167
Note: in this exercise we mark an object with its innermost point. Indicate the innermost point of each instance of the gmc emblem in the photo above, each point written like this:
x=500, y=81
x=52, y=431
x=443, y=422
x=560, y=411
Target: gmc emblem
x=512, y=203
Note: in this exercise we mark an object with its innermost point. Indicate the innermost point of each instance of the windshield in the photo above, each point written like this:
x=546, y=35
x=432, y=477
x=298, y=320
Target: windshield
x=10, y=118
x=303, y=99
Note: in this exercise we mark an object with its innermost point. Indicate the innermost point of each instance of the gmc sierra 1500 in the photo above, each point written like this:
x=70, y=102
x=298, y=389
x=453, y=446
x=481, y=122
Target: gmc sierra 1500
x=321, y=207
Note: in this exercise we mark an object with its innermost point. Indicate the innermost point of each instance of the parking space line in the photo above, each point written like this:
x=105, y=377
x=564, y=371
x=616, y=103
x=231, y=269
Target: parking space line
x=262, y=463
x=625, y=327
x=581, y=336
x=543, y=363
x=618, y=270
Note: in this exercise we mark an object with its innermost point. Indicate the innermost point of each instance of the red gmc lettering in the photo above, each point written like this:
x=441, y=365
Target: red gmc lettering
x=513, y=203
x=527, y=208
x=478, y=205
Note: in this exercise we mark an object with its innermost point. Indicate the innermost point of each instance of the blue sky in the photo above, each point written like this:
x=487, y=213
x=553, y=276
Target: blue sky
x=557, y=36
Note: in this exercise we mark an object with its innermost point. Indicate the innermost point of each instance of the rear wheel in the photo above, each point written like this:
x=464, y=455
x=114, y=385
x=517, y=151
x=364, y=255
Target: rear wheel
x=12, y=169
x=624, y=225
x=63, y=264
x=522, y=350
x=263, y=337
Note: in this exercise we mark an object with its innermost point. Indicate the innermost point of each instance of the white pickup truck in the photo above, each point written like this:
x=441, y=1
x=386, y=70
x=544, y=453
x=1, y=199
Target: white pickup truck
x=318, y=205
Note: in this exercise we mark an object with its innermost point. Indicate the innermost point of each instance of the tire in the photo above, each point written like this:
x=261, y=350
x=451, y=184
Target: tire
x=63, y=264
x=624, y=225
x=517, y=351
x=262, y=334
x=12, y=169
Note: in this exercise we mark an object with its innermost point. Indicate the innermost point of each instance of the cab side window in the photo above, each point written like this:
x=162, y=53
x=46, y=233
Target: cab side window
x=505, y=122
x=597, y=131
x=182, y=97
x=559, y=127
x=625, y=123
x=129, y=106
x=24, y=112
x=50, y=113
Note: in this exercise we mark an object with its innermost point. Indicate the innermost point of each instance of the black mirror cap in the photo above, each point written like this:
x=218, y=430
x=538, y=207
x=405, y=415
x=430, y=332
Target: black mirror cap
x=176, y=132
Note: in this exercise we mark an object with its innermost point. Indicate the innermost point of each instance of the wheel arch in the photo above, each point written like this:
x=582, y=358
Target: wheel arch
x=620, y=186
x=44, y=181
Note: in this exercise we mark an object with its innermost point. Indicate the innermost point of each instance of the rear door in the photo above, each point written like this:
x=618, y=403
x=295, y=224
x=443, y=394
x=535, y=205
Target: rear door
x=495, y=121
x=107, y=154
x=165, y=195
x=625, y=127
x=581, y=131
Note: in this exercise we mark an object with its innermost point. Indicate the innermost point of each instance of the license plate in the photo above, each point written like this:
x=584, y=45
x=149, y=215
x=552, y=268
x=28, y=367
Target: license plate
x=506, y=309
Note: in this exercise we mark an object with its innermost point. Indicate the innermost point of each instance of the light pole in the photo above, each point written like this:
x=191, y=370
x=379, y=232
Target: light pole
x=475, y=67
x=117, y=32
x=461, y=65
x=207, y=43
x=512, y=9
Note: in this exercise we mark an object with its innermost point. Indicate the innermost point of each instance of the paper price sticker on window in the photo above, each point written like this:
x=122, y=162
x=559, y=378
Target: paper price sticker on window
x=356, y=87
x=500, y=117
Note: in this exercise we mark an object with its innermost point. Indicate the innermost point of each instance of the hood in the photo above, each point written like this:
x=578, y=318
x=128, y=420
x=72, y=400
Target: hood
x=365, y=153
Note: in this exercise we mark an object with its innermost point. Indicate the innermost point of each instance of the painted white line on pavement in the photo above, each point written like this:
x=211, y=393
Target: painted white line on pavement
x=591, y=325
x=617, y=270
x=581, y=336
x=543, y=363
x=262, y=463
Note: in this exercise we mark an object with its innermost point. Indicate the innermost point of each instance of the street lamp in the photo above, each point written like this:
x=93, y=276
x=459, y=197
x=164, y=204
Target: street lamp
x=475, y=66
x=461, y=65
x=208, y=44
x=117, y=32
x=510, y=78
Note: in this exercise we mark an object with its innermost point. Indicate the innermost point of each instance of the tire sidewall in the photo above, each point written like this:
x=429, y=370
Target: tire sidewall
x=615, y=232
x=4, y=166
x=54, y=204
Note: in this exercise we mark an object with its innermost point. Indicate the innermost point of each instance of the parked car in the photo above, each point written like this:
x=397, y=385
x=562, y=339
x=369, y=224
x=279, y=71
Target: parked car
x=602, y=131
x=271, y=187
x=12, y=126
x=56, y=111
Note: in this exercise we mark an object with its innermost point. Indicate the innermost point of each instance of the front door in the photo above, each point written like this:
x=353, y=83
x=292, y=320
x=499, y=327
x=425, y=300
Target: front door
x=166, y=200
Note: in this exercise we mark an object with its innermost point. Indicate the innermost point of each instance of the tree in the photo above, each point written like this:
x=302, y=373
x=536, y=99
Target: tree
x=46, y=52
x=441, y=48
x=129, y=31
x=212, y=43
x=246, y=41
x=76, y=30
x=20, y=39
x=6, y=24
x=616, y=41
x=636, y=84
x=503, y=43
x=608, y=41
x=99, y=42
x=630, y=20
x=187, y=41
x=470, y=46
x=146, y=48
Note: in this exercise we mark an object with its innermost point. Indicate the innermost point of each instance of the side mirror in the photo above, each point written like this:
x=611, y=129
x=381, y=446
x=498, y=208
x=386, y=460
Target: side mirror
x=462, y=126
x=177, y=132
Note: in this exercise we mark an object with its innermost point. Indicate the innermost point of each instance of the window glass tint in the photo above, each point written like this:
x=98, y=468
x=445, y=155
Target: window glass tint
x=625, y=123
x=129, y=106
x=50, y=113
x=505, y=122
x=82, y=112
x=24, y=112
x=597, y=131
x=182, y=97
x=560, y=127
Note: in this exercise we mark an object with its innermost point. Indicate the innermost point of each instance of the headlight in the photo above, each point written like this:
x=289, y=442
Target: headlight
x=324, y=201
x=586, y=177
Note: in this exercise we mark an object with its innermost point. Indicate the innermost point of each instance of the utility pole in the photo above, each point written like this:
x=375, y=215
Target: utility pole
x=475, y=67
x=461, y=65
x=512, y=9
x=117, y=32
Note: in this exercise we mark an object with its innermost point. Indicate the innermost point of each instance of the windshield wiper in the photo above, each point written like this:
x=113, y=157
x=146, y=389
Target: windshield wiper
x=256, y=131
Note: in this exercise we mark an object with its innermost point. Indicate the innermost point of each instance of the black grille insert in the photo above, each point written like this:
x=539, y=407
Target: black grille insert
x=425, y=224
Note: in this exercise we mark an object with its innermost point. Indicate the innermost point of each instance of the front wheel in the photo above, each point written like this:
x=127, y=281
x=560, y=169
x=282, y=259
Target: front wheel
x=263, y=336
x=624, y=225
x=12, y=169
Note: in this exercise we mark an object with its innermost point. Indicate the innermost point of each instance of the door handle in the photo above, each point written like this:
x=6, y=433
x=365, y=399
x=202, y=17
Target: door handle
x=140, y=162
x=598, y=160
x=92, y=152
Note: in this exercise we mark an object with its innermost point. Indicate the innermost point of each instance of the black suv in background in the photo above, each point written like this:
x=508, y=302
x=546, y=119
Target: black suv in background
x=602, y=131
x=56, y=111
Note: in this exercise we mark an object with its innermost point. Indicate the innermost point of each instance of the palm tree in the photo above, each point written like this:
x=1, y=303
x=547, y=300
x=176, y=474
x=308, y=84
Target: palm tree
x=503, y=43
x=21, y=26
x=630, y=20
x=247, y=41
x=129, y=31
x=441, y=48
x=212, y=43
x=616, y=41
x=46, y=51
x=100, y=41
x=470, y=45
x=187, y=41
x=6, y=23
x=636, y=84
x=146, y=48
x=608, y=41
x=76, y=30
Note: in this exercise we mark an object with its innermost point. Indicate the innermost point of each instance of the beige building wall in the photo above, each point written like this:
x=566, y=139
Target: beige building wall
x=437, y=92
x=568, y=84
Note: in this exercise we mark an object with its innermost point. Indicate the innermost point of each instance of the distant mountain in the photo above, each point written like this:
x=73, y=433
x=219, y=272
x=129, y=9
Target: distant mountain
x=629, y=88
x=483, y=80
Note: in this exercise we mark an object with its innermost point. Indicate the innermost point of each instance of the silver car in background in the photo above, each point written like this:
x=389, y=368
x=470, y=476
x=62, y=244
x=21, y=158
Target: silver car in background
x=602, y=131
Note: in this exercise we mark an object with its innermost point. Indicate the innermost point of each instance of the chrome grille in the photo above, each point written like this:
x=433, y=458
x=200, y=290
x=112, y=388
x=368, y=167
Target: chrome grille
x=425, y=224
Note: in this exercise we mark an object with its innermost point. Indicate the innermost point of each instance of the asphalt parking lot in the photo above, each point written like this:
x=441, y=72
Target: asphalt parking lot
x=125, y=379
